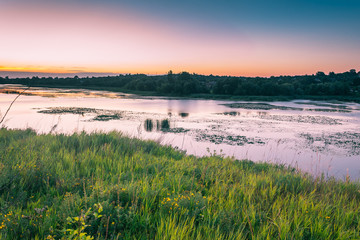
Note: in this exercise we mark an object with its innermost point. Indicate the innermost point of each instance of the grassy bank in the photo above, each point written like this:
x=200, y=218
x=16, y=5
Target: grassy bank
x=108, y=186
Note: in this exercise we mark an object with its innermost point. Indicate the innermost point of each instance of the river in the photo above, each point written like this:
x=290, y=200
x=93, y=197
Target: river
x=316, y=137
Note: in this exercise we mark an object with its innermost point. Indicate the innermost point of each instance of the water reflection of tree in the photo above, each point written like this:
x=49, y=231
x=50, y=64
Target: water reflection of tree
x=182, y=107
x=148, y=125
x=165, y=124
x=183, y=115
x=160, y=125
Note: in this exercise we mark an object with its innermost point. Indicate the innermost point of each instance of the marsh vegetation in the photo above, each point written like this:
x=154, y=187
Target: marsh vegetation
x=108, y=186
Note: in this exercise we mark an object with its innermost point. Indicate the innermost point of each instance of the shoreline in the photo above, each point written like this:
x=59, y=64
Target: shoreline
x=150, y=94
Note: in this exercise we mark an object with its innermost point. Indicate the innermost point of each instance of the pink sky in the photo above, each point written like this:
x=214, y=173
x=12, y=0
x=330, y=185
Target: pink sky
x=63, y=39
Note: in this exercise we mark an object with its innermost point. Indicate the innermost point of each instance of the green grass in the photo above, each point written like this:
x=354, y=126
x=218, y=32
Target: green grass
x=108, y=186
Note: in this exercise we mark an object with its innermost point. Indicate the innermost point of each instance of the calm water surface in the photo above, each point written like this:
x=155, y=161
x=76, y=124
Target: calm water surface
x=317, y=137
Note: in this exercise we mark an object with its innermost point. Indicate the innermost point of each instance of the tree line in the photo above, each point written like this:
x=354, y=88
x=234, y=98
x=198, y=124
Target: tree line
x=184, y=84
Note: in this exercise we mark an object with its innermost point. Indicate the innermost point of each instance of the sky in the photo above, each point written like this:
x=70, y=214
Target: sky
x=238, y=38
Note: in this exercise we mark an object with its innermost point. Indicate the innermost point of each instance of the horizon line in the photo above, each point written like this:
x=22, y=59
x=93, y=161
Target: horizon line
x=83, y=74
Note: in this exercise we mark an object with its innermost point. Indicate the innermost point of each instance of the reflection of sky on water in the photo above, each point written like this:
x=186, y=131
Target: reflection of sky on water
x=313, y=141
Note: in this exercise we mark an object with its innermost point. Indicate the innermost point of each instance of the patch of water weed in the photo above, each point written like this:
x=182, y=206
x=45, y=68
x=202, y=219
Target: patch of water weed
x=328, y=110
x=215, y=127
x=175, y=130
x=323, y=105
x=232, y=113
x=102, y=115
x=69, y=110
x=229, y=139
x=343, y=140
x=302, y=119
x=259, y=106
x=105, y=117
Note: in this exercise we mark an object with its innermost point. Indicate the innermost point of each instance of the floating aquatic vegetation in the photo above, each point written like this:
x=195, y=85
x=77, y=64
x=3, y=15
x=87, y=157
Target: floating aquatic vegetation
x=259, y=106
x=233, y=113
x=101, y=114
x=303, y=119
x=175, y=130
x=69, y=110
x=105, y=117
x=215, y=126
x=323, y=105
x=328, y=110
x=349, y=141
x=228, y=139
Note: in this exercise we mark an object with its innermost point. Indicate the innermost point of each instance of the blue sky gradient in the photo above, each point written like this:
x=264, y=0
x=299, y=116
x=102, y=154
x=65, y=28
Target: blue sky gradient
x=317, y=30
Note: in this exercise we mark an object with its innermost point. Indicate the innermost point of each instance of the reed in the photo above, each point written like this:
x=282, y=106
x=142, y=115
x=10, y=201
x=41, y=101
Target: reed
x=108, y=186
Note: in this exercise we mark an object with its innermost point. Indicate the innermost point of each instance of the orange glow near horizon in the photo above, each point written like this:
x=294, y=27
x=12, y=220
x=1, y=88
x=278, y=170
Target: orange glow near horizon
x=75, y=40
x=205, y=70
x=38, y=69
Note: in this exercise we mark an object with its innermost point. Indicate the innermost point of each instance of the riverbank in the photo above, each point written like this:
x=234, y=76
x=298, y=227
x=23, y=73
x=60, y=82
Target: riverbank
x=112, y=187
x=149, y=94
